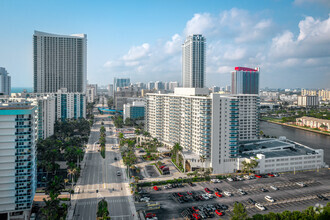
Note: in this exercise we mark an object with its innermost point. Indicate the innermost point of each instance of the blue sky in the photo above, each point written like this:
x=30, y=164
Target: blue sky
x=289, y=40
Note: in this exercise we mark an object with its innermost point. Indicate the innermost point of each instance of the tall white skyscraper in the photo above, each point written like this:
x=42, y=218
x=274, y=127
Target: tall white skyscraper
x=5, y=83
x=60, y=61
x=193, y=62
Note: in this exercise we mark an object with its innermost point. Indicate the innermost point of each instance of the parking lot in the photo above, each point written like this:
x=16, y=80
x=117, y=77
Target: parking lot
x=290, y=196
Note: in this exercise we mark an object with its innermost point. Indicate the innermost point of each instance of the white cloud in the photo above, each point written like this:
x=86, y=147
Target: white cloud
x=199, y=24
x=137, y=52
x=235, y=54
x=174, y=45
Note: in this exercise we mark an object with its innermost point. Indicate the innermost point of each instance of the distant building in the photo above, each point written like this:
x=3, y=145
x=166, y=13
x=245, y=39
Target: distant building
x=120, y=83
x=308, y=101
x=245, y=81
x=311, y=122
x=110, y=90
x=91, y=92
x=18, y=128
x=5, y=82
x=228, y=89
x=159, y=85
x=123, y=94
x=215, y=89
x=324, y=94
x=173, y=85
x=193, y=62
x=150, y=85
x=60, y=61
x=134, y=110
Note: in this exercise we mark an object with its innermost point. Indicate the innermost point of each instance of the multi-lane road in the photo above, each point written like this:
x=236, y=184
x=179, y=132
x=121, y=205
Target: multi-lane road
x=99, y=178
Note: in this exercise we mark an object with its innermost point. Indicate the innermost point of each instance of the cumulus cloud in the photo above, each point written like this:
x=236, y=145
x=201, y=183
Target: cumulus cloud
x=137, y=52
x=235, y=38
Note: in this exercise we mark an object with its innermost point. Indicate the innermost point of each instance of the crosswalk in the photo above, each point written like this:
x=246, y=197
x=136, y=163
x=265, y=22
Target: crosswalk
x=95, y=201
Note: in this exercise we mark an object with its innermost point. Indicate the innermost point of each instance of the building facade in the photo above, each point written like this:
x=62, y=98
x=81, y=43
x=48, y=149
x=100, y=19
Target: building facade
x=134, y=111
x=204, y=125
x=313, y=123
x=308, y=101
x=91, y=92
x=245, y=80
x=70, y=105
x=5, y=82
x=18, y=135
x=120, y=83
x=193, y=62
x=60, y=61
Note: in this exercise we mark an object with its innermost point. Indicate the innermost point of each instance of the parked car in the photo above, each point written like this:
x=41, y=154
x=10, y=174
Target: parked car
x=118, y=173
x=190, y=184
x=189, y=193
x=259, y=206
x=150, y=215
x=227, y=193
x=155, y=188
x=205, y=197
x=263, y=190
x=230, y=179
x=274, y=187
x=258, y=176
x=217, y=190
x=195, y=209
x=209, y=195
x=247, y=177
x=219, y=213
x=301, y=184
x=207, y=190
x=270, y=175
x=179, y=194
x=145, y=199
x=239, y=178
x=269, y=199
x=251, y=201
x=218, y=194
x=276, y=174
x=321, y=197
x=242, y=192
x=196, y=216
x=215, y=181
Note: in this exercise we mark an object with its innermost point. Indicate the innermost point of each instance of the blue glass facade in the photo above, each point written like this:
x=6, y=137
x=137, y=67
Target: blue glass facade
x=137, y=112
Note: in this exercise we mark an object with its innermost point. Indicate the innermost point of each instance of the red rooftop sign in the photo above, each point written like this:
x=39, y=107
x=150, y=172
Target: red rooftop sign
x=244, y=69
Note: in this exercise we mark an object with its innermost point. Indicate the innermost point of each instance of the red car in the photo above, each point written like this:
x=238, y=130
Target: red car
x=219, y=213
x=156, y=188
x=189, y=193
x=195, y=209
x=218, y=194
x=196, y=216
x=150, y=215
x=258, y=176
x=270, y=174
x=207, y=190
x=179, y=194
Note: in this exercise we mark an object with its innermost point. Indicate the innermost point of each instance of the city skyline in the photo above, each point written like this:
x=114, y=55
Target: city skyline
x=288, y=40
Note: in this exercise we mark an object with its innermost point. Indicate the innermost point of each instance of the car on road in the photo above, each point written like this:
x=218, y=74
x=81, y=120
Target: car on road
x=219, y=213
x=145, y=199
x=261, y=207
x=301, y=184
x=118, y=173
x=269, y=199
x=227, y=193
x=321, y=197
x=242, y=192
x=274, y=187
x=251, y=201
x=207, y=190
x=218, y=194
x=230, y=179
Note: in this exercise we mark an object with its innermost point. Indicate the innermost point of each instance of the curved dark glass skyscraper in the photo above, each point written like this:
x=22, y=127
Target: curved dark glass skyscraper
x=245, y=80
x=59, y=62
x=193, y=62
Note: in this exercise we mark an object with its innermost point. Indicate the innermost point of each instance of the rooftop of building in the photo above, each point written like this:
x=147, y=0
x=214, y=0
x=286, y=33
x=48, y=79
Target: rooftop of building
x=40, y=33
x=238, y=68
x=274, y=148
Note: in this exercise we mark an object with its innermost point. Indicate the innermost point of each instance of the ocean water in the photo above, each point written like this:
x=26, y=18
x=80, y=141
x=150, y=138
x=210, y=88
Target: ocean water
x=21, y=89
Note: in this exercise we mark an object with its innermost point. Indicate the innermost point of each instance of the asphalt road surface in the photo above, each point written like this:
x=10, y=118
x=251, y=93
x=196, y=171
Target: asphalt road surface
x=99, y=178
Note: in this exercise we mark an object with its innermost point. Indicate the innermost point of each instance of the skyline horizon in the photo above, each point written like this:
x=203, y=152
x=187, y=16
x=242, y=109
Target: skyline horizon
x=286, y=39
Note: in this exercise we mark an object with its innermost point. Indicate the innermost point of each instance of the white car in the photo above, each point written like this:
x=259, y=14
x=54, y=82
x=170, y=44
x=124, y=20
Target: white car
x=227, y=193
x=247, y=177
x=301, y=184
x=239, y=178
x=205, y=197
x=145, y=199
x=215, y=181
x=209, y=195
x=242, y=192
x=274, y=187
x=259, y=206
x=269, y=199
x=230, y=179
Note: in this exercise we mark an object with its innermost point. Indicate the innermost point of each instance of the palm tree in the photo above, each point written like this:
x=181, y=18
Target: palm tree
x=202, y=159
x=176, y=149
x=72, y=172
